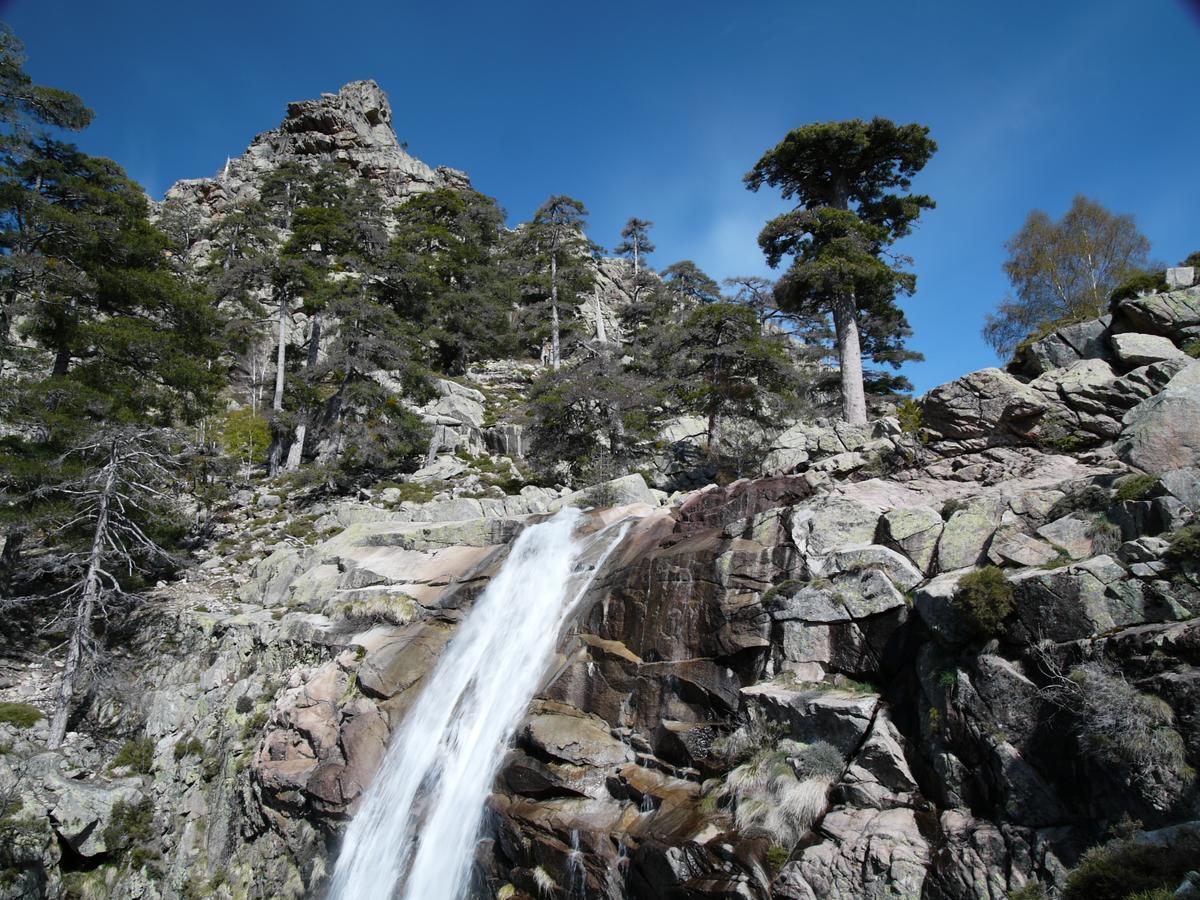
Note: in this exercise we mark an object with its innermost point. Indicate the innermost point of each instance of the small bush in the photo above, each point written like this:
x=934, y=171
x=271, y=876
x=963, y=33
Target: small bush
x=1136, y=487
x=819, y=759
x=1089, y=498
x=950, y=507
x=1139, y=284
x=777, y=858
x=137, y=754
x=985, y=598
x=189, y=746
x=1119, y=725
x=1123, y=867
x=1105, y=534
x=1030, y=891
x=130, y=824
x=911, y=416
x=1192, y=348
x=1185, y=543
x=22, y=715
x=255, y=723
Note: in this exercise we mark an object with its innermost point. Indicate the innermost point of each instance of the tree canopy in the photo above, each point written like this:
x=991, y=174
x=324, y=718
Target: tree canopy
x=1064, y=270
x=848, y=180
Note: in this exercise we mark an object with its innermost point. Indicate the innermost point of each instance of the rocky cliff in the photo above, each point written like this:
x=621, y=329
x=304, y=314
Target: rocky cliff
x=936, y=661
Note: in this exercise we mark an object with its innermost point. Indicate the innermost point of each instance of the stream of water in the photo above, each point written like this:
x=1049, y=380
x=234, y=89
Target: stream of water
x=415, y=833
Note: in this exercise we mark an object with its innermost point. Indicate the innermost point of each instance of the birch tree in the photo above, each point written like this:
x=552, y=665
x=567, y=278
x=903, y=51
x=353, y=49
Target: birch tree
x=1064, y=270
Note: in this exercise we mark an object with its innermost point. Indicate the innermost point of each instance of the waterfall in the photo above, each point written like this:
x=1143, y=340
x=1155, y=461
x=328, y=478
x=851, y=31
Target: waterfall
x=414, y=836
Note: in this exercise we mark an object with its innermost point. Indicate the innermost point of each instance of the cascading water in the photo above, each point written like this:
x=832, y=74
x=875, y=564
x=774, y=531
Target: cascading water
x=414, y=835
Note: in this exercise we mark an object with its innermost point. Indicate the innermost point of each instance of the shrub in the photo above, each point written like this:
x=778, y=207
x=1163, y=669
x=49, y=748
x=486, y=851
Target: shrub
x=911, y=416
x=22, y=715
x=1105, y=534
x=1192, y=348
x=1090, y=498
x=950, y=507
x=1118, y=724
x=136, y=754
x=777, y=858
x=188, y=746
x=1124, y=867
x=1185, y=543
x=1136, y=487
x=819, y=759
x=245, y=436
x=130, y=824
x=1030, y=891
x=985, y=598
x=1138, y=284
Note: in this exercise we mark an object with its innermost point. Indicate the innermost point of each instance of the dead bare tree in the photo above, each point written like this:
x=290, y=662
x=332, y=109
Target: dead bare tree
x=120, y=489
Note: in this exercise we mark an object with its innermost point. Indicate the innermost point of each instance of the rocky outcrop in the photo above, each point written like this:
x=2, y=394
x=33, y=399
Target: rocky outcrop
x=353, y=127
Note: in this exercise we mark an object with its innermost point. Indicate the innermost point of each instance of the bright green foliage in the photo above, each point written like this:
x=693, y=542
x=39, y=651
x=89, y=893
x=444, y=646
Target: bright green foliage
x=1123, y=867
x=1136, y=487
x=1064, y=270
x=136, y=754
x=22, y=715
x=1185, y=544
x=245, y=435
x=985, y=598
x=910, y=415
x=777, y=858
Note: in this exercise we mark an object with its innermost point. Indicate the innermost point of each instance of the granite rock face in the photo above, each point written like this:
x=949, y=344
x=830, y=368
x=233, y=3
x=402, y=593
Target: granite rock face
x=353, y=127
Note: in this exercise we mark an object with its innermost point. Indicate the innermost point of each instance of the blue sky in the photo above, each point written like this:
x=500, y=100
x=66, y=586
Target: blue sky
x=656, y=109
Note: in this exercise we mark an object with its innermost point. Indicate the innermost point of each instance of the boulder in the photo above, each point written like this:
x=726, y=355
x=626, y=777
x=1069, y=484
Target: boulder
x=914, y=530
x=982, y=409
x=1179, y=277
x=965, y=539
x=1071, y=534
x=1067, y=345
x=1134, y=349
x=1170, y=314
x=1163, y=432
x=81, y=810
x=623, y=491
x=838, y=717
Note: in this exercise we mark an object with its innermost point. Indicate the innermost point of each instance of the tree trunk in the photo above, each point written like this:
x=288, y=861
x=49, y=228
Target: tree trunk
x=62, y=362
x=276, y=451
x=554, y=344
x=10, y=558
x=296, y=451
x=81, y=629
x=712, y=435
x=845, y=321
x=601, y=335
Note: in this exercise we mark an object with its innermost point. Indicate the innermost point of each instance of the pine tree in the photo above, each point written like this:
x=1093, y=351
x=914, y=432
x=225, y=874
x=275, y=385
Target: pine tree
x=723, y=366
x=448, y=271
x=556, y=235
x=847, y=177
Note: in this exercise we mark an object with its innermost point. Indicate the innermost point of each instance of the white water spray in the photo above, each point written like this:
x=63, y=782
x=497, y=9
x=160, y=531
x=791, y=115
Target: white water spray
x=415, y=832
